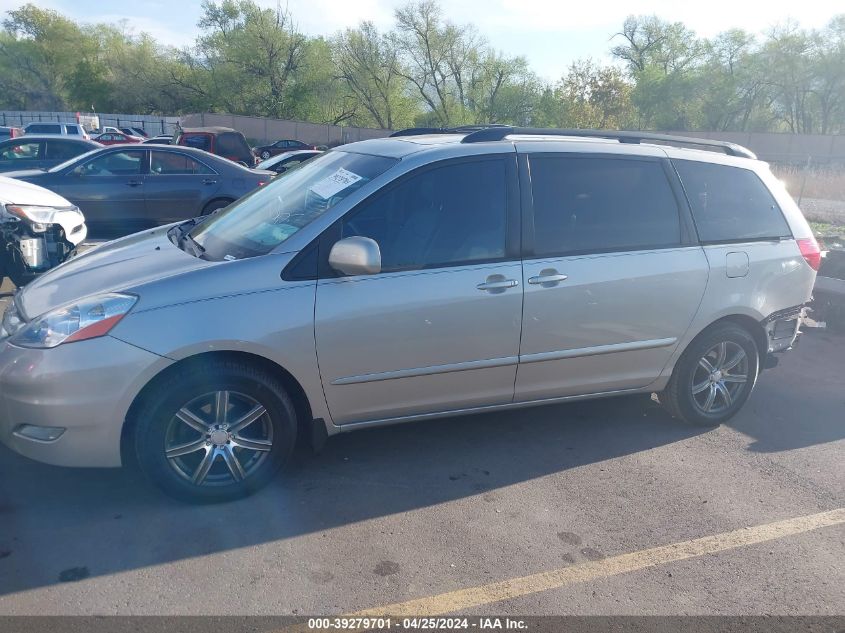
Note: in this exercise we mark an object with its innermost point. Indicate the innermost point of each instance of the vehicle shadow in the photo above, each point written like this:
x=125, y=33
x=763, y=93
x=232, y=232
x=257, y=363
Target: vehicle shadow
x=801, y=402
x=113, y=521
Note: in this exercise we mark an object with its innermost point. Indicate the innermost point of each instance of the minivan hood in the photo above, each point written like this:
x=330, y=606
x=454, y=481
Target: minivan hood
x=116, y=266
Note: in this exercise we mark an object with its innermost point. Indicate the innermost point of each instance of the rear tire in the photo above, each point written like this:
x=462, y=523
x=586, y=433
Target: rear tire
x=714, y=376
x=215, y=205
x=265, y=154
x=215, y=432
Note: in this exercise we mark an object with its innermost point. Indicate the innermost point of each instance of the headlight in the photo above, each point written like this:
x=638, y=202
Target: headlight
x=89, y=318
x=39, y=215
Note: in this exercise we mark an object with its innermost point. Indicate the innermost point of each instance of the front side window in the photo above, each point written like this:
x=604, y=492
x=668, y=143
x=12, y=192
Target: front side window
x=21, y=151
x=597, y=204
x=264, y=219
x=72, y=129
x=444, y=216
x=114, y=164
x=175, y=164
x=730, y=203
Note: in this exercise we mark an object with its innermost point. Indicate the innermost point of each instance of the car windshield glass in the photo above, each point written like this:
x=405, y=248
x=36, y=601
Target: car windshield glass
x=73, y=160
x=259, y=222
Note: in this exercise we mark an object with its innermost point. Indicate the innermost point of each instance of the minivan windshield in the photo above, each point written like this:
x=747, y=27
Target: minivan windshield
x=260, y=221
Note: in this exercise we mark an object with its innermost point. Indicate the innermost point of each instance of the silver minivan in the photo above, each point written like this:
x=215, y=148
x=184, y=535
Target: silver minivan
x=408, y=278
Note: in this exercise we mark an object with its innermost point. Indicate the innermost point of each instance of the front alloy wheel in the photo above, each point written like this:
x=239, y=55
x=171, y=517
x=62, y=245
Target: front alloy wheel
x=214, y=430
x=219, y=438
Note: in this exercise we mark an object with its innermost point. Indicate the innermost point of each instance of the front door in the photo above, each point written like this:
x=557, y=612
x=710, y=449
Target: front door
x=612, y=283
x=438, y=329
x=109, y=189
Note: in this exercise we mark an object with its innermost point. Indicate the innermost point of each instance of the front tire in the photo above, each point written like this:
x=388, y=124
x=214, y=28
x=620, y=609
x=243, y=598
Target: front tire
x=215, y=432
x=714, y=376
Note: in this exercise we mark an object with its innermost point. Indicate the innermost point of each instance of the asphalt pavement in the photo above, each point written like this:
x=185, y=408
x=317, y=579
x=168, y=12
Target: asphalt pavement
x=590, y=491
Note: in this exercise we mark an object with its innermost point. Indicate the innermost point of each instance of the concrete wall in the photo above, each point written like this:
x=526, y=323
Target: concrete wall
x=153, y=124
x=773, y=147
x=262, y=130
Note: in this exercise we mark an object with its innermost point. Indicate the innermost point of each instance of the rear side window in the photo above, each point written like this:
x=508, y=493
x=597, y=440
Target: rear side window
x=62, y=150
x=230, y=144
x=590, y=204
x=730, y=203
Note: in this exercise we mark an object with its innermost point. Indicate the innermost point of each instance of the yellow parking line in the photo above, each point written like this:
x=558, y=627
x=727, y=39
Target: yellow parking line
x=464, y=599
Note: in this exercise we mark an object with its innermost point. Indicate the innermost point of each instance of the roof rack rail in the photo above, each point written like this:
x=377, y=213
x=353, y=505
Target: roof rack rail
x=461, y=129
x=498, y=133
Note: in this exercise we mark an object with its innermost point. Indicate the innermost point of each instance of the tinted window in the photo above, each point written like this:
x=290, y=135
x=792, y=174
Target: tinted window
x=21, y=151
x=447, y=215
x=173, y=163
x=730, y=203
x=234, y=145
x=200, y=141
x=44, y=128
x=114, y=164
x=60, y=150
x=601, y=204
x=72, y=129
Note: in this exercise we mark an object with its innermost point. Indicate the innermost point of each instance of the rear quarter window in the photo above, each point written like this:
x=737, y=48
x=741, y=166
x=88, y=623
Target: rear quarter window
x=730, y=203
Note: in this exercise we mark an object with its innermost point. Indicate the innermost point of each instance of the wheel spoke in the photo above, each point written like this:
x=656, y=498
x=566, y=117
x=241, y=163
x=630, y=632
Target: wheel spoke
x=706, y=366
x=711, y=397
x=725, y=393
x=733, y=362
x=253, y=445
x=734, y=378
x=205, y=465
x=232, y=462
x=221, y=407
x=697, y=389
x=721, y=355
x=185, y=449
x=248, y=419
x=192, y=420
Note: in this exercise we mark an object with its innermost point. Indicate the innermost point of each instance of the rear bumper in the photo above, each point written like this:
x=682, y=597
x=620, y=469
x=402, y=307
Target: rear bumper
x=783, y=328
x=84, y=388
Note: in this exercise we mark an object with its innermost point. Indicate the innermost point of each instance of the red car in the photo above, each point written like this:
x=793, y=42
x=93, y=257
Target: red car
x=115, y=138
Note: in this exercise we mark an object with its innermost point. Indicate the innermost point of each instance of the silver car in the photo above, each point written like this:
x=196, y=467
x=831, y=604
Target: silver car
x=404, y=279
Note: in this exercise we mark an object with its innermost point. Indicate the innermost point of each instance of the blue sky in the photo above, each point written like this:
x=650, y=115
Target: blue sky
x=551, y=34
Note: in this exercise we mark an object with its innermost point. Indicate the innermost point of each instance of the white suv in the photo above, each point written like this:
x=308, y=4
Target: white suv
x=59, y=129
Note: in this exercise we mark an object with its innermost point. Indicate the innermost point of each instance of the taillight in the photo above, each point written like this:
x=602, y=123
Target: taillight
x=811, y=252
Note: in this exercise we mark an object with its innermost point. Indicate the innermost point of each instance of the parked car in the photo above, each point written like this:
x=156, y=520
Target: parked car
x=38, y=230
x=431, y=276
x=119, y=138
x=41, y=152
x=223, y=141
x=61, y=129
x=7, y=132
x=124, y=189
x=286, y=145
x=161, y=139
x=284, y=162
x=135, y=131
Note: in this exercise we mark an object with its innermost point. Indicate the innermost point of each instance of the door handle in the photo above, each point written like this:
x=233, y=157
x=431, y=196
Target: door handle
x=547, y=277
x=497, y=282
x=135, y=183
x=209, y=181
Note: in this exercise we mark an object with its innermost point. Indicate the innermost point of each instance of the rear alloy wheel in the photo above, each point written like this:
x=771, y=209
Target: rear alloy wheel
x=216, y=432
x=714, y=376
x=265, y=154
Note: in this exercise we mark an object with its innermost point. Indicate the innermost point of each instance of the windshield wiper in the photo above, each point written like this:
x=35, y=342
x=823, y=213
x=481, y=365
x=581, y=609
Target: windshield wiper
x=187, y=238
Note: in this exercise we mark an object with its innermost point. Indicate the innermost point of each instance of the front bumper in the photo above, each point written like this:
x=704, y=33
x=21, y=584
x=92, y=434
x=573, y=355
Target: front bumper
x=85, y=388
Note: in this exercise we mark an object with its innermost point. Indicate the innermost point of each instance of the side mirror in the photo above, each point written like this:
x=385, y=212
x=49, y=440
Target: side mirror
x=356, y=256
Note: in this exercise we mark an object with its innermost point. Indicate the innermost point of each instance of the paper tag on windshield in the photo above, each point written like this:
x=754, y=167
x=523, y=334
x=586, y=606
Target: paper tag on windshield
x=337, y=182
